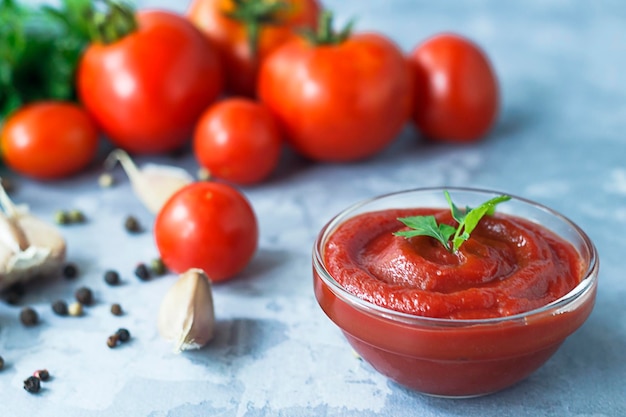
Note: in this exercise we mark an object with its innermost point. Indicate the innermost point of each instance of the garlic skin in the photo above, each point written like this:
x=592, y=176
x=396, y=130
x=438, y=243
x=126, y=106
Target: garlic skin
x=187, y=315
x=153, y=184
x=29, y=247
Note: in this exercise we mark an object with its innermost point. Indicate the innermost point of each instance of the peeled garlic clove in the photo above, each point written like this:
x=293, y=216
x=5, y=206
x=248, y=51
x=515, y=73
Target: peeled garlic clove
x=187, y=316
x=153, y=184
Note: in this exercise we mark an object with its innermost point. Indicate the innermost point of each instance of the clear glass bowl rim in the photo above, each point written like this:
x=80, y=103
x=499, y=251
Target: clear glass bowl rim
x=577, y=293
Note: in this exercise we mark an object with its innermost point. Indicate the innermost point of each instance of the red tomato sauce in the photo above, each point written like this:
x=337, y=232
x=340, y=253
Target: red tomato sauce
x=508, y=266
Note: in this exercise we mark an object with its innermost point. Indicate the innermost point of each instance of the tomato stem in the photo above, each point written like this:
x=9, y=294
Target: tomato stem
x=254, y=15
x=325, y=34
x=113, y=23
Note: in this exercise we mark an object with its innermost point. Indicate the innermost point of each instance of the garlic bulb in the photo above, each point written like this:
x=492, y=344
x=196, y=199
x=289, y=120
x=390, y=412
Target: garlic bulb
x=186, y=316
x=29, y=247
x=153, y=184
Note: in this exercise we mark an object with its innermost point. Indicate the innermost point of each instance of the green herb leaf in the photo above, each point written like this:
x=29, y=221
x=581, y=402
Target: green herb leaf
x=457, y=214
x=467, y=221
x=427, y=226
x=473, y=216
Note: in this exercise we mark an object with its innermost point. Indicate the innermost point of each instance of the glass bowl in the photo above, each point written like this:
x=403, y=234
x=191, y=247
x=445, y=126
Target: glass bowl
x=456, y=357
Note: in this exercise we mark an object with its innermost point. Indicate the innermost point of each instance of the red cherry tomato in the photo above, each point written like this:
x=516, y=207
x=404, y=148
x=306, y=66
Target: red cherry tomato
x=338, y=102
x=238, y=140
x=207, y=225
x=49, y=140
x=240, y=53
x=148, y=89
x=456, y=89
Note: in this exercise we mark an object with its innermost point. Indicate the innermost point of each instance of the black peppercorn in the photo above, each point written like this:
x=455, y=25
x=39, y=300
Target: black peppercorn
x=70, y=271
x=84, y=295
x=32, y=384
x=42, y=374
x=28, y=316
x=12, y=298
x=111, y=277
x=14, y=293
x=131, y=224
x=142, y=272
x=60, y=307
x=116, y=309
x=123, y=335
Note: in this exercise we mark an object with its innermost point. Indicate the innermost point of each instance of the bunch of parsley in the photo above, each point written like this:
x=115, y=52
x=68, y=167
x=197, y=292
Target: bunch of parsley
x=39, y=51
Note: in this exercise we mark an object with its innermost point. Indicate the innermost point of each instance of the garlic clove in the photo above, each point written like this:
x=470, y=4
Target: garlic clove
x=11, y=235
x=29, y=247
x=186, y=315
x=153, y=184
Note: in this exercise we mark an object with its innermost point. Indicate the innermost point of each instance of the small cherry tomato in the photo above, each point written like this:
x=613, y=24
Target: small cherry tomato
x=207, y=225
x=147, y=89
x=238, y=140
x=247, y=31
x=338, y=97
x=456, y=89
x=49, y=140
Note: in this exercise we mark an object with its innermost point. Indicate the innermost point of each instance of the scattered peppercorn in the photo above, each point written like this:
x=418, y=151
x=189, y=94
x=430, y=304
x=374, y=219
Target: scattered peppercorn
x=116, y=309
x=61, y=217
x=69, y=217
x=1, y=362
x=28, y=316
x=158, y=267
x=76, y=216
x=113, y=340
x=32, y=384
x=84, y=295
x=14, y=293
x=120, y=336
x=112, y=277
x=70, y=271
x=123, y=335
x=142, y=272
x=75, y=309
x=42, y=374
x=60, y=308
x=131, y=224
x=12, y=298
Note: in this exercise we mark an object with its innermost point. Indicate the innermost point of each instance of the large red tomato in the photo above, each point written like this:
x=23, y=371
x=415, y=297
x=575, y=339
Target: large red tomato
x=246, y=32
x=207, y=225
x=147, y=89
x=341, y=100
x=49, y=140
x=238, y=140
x=456, y=89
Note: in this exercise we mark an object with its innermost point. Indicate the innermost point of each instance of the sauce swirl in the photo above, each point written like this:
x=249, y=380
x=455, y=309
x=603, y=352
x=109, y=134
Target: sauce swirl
x=508, y=266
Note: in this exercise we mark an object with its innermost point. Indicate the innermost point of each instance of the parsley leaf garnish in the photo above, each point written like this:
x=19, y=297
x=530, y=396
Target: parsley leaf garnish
x=450, y=237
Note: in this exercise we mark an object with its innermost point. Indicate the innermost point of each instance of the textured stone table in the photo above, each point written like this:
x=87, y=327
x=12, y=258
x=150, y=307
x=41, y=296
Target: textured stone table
x=560, y=141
